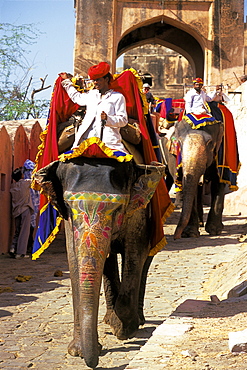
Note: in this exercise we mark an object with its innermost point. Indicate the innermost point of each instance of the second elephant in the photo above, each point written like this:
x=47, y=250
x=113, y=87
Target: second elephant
x=198, y=151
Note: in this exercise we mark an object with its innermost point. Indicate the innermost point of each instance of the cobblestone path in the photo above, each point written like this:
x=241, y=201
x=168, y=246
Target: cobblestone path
x=36, y=315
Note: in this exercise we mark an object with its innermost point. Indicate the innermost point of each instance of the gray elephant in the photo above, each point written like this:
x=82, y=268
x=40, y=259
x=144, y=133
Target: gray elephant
x=198, y=151
x=104, y=204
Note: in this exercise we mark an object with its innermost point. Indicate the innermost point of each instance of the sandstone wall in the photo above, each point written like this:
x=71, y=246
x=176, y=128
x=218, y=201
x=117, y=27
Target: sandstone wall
x=209, y=34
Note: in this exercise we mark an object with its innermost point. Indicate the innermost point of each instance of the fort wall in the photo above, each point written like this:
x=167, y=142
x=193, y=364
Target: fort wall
x=19, y=141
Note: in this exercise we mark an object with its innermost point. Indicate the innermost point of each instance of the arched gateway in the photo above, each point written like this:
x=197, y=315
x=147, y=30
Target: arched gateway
x=209, y=33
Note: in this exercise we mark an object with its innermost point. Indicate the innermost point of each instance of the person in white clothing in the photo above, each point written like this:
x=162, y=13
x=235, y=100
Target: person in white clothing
x=104, y=106
x=196, y=99
x=218, y=95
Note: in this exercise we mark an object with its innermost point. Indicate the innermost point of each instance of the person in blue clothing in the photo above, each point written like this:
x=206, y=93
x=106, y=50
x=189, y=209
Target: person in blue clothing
x=28, y=168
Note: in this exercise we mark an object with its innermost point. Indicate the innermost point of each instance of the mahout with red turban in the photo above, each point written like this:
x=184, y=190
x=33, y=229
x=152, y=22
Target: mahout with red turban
x=98, y=70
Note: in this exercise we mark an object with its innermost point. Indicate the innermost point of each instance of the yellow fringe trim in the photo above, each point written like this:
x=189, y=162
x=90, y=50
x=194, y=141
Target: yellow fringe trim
x=41, y=147
x=168, y=212
x=231, y=187
x=206, y=123
x=87, y=143
x=158, y=247
x=78, y=88
x=162, y=243
x=49, y=240
x=140, y=84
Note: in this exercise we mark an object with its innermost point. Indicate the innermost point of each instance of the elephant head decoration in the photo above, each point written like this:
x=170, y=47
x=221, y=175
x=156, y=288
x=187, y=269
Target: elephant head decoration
x=105, y=207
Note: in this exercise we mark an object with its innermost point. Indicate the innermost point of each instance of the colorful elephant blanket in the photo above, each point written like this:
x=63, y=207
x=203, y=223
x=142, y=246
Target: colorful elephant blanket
x=228, y=163
x=198, y=120
x=61, y=108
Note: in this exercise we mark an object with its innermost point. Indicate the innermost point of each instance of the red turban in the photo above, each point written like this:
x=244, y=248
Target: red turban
x=99, y=70
x=198, y=80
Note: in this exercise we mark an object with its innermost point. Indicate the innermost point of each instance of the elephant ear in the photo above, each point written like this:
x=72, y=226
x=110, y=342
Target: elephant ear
x=52, y=187
x=145, y=185
x=181, y=130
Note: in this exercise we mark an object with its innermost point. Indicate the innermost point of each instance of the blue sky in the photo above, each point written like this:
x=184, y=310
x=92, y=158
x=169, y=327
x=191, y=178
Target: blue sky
x=53, y=51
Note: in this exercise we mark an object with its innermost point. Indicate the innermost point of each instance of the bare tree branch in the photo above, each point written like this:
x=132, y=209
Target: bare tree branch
x=27, y=88
x=40, y=89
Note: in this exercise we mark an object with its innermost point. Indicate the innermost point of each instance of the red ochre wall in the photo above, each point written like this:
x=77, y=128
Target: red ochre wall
x=21, y=147
x=6, y=159
x=18, y=143
x=34, y=140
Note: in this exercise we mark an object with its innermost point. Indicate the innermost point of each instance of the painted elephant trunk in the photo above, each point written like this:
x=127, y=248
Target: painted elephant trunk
x=88, y=315
x=90, y=232
x=86, y=282
x=194, y=157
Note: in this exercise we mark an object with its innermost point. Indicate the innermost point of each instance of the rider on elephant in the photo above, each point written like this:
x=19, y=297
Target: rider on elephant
x=197, y=110
x=218, y=95
x=104, y=106
x=108, y=102
x=196, y=99
x=109, y=106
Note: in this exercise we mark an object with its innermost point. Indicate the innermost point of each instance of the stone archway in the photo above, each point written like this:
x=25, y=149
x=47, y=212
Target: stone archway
x=167, y=35
x=209, y=33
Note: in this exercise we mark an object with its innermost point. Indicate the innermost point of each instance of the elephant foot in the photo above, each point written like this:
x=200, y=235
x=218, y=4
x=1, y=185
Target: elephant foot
x=190, y=232
x=178, y=233
x=142, y=319
x=74, y=348
x=214, y=229
x=179, y=200
x=178, y=203
x=122, y=331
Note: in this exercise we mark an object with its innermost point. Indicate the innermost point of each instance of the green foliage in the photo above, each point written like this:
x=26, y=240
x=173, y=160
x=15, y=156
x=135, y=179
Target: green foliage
x=15, y=81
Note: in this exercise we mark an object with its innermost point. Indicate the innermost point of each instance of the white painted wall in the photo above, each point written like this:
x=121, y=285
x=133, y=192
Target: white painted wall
x=237, y=201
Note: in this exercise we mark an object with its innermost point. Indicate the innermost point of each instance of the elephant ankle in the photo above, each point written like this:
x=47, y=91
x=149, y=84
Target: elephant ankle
x=124, y=330
x=142, y=319
x=74, y=348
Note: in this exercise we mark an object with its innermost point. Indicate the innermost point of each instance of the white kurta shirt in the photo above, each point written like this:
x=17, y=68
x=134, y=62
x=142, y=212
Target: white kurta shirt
x=196, y=102
x=112, y=103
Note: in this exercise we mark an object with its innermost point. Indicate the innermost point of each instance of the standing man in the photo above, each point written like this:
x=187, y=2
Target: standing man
x=103, y=106
x=149, y=96
x=22, y=209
